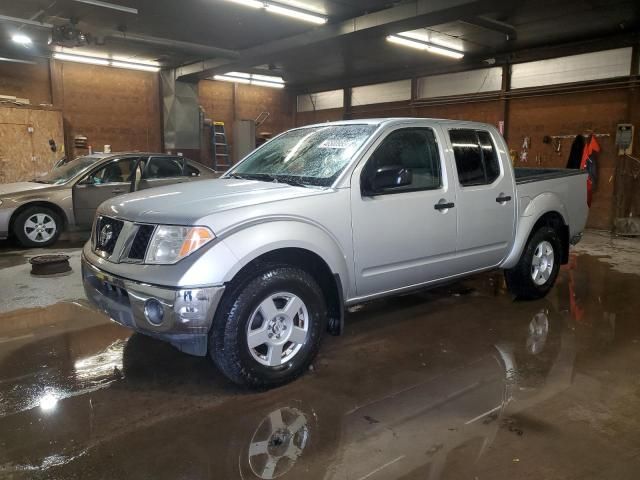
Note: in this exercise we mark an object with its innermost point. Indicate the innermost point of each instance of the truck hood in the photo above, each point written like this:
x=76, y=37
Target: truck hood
x=20, y=187
x=187, y=203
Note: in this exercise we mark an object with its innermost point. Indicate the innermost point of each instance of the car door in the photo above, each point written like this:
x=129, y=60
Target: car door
x=102, y=183
x=403, y=236
x=162, y=170
x=486, y=199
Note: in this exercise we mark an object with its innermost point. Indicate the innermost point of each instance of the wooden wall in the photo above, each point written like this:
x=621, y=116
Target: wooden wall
x=26, y=154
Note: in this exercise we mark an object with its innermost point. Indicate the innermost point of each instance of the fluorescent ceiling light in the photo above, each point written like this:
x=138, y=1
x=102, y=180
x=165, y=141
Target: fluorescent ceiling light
x=16, y=60
x=299, y=13
x=267, y=84
x=295, y=13
x=225, y=78
x=21, y=39
x=252, y=79
x=112, y=6
x=267, y=78
x=427, y=46
x=249, y=3
x=135, y=66
x=80, y=59
x=106, y=62
x=238, y=74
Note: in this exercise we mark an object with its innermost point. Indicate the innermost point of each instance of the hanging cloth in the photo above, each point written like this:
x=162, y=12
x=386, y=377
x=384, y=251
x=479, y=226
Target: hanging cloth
x=588, y=163
x=575, y=156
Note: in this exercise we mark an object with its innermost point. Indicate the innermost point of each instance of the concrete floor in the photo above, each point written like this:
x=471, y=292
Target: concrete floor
x=460, y=382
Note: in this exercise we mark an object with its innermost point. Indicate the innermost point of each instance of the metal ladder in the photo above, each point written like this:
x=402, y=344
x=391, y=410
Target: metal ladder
x=219, y=147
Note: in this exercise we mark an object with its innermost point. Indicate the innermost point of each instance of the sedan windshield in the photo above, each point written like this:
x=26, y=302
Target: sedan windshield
x=66, y=172
x=306, y=156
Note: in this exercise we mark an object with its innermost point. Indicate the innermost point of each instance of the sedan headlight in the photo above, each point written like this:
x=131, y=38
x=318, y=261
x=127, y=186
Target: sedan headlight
x=171, y=244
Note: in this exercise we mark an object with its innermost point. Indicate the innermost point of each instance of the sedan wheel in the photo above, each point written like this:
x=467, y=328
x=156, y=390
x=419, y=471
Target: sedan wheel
x=40, y=228
x=37, y=226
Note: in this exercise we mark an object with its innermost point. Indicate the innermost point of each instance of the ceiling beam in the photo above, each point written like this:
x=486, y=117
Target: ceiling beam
x=530, y=54
x=509, y=31
x=195, y=48
x=24, y=21
x=405, y=16
x=123, y=36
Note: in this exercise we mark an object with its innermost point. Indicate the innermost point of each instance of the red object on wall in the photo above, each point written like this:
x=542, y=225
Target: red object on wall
x=588, y=163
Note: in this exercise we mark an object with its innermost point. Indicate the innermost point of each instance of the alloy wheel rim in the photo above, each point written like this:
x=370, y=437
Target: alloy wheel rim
x=277, y=329
x=542, y=263
x=40, y=228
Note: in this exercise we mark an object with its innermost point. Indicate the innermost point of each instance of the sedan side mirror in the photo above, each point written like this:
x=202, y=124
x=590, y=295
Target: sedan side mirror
x=390, y=177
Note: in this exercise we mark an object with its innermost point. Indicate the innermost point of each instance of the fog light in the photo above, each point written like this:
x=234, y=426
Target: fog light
x=153, y=311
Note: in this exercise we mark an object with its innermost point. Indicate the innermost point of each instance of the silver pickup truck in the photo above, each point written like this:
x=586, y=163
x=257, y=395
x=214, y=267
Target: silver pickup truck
x=253, y=268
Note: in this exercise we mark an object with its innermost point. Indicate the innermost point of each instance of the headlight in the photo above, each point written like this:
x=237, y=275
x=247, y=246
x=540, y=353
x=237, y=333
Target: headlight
x=171, y=244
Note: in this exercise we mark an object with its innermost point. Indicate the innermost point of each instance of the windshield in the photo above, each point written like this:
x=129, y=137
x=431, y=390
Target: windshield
x=306, y=156
x=67, y=171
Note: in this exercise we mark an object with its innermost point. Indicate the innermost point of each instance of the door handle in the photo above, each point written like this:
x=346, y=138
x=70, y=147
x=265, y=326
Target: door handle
x=503, y=198
x=443, y=205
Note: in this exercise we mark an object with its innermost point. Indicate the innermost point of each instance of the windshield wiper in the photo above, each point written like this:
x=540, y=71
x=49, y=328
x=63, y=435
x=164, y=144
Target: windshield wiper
x=261, y=177
x=292, y=181
x=266, y=177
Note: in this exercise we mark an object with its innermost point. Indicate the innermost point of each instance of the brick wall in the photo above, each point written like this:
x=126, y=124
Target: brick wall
x=25, y=80
x=111, y=106
x=571, y=114
x=222, y=104
x=535, y=117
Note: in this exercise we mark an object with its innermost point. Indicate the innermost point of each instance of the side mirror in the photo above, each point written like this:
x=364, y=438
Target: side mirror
x=390, y=177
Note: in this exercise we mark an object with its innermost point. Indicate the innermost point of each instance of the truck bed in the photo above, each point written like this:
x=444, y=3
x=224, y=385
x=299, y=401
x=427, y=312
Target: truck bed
x=528, y=175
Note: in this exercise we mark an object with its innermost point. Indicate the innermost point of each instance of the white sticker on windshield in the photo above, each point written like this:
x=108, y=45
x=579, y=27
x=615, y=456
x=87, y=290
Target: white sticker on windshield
x=339, y=143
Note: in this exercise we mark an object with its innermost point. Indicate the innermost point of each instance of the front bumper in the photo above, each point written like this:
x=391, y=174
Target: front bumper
x=187, y=313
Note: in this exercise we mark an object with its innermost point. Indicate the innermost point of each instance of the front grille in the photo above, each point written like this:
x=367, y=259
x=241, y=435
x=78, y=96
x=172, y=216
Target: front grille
x=107, y=233
x=141, y=242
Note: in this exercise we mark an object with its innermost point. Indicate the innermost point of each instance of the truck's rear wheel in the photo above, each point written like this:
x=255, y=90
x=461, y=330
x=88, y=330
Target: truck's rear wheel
x=268, y=327
x=537, y=270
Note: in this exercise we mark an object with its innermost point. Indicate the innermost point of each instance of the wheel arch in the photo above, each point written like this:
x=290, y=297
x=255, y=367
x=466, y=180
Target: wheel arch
x=329, y=282
x=528, y=224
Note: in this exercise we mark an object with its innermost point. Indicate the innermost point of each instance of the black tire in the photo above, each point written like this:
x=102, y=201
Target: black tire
x=228, y=339
x=49, y=238
x=519, y=278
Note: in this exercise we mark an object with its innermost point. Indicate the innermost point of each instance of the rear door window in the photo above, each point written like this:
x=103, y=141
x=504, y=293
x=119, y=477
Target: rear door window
x=476, y=157
x=163, y=167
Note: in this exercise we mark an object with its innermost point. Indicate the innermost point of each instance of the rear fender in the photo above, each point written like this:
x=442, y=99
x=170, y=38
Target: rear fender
x=531, y=213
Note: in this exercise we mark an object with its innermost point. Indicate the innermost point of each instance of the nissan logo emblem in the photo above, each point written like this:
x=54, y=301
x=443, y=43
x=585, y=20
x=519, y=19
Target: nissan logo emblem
x=106, y=233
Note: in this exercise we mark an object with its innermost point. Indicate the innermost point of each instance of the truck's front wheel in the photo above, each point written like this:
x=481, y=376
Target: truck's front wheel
x=268, y=327
x=537, y=270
